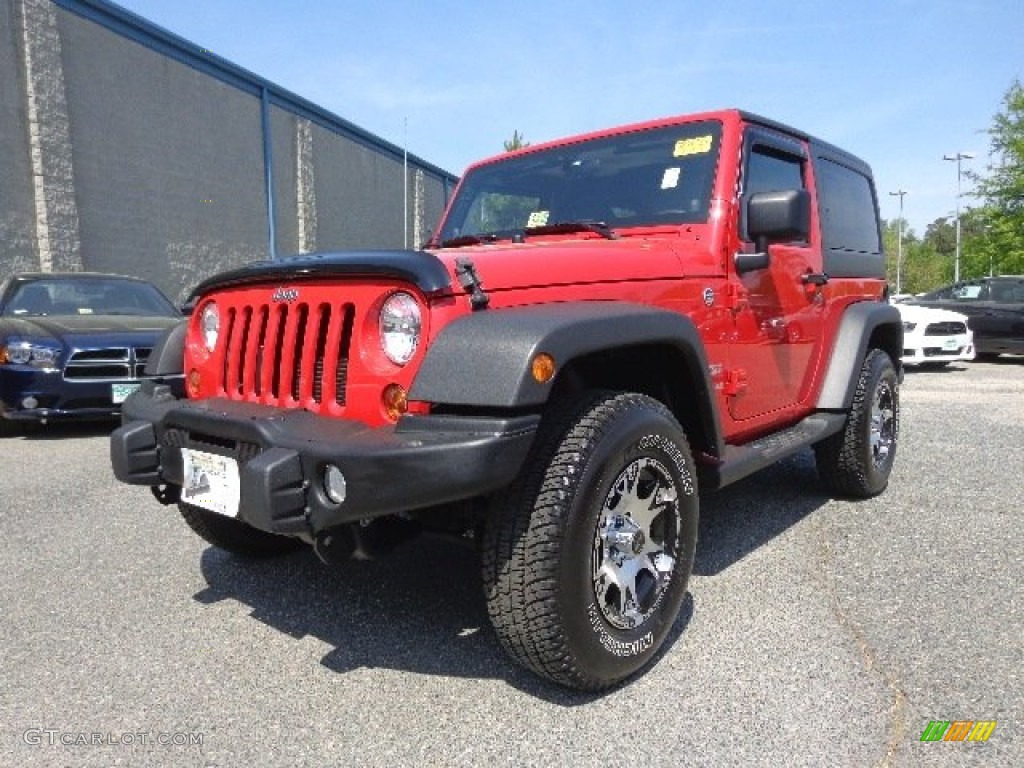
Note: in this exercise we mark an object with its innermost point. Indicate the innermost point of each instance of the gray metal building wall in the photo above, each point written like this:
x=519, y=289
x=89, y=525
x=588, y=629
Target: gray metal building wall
x=126, y=149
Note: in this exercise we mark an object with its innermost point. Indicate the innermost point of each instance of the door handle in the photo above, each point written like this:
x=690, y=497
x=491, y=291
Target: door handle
x=814, y=278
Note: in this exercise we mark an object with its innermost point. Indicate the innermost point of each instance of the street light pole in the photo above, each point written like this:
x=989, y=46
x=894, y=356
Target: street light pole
x=958, y=157
x=899, y=243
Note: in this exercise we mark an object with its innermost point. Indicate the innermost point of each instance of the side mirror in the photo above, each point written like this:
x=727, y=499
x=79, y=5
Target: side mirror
x=778, y=216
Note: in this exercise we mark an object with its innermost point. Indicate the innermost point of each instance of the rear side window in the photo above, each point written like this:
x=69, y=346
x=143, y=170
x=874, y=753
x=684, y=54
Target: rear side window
x=849, y=224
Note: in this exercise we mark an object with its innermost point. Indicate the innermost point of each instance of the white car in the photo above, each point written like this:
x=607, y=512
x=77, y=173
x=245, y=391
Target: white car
x=934, y=336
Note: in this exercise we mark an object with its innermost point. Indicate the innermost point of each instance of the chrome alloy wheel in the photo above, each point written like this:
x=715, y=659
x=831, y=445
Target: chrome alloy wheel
x=883, y=424
x=634, y=543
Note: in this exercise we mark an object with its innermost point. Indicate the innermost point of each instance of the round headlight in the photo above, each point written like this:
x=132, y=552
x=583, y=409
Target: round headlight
x=210, y=324
x=400, y=324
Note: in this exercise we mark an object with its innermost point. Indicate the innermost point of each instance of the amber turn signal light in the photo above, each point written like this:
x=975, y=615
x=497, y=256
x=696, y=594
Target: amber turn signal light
x=543, y=368
x=396, y=401
x=193, y=383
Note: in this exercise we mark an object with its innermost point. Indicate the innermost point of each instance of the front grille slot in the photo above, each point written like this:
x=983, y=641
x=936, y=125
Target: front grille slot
x=288, y=353
x=945, y=328
x=107, y=364
x=242, y=452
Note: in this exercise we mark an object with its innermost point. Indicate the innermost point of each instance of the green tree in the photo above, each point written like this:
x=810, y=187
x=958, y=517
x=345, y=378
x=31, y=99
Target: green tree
x=891, y=233
x=941, y=236
x=996, y=238
x=927, y=263
x=516, y=142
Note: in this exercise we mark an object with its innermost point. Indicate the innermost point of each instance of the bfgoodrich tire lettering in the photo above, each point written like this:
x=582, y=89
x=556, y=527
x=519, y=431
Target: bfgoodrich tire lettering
x=587, y=559
x=235, y=536
x=858, y=460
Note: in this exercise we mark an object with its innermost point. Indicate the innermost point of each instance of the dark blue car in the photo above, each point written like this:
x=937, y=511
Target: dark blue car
x=74, y=345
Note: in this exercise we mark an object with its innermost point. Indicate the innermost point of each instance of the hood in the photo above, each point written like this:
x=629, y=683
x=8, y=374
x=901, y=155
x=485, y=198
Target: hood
x=59, y=326
x=917, y=314
x=505, y=266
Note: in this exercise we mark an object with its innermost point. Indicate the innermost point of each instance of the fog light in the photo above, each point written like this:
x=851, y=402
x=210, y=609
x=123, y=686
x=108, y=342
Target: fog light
x=193, y=383
x=334, y=484
x=29, y=403
x=543, y=368
x=396, y=401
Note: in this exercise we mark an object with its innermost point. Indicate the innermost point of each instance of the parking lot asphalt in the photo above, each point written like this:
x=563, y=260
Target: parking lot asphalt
x=817, y=632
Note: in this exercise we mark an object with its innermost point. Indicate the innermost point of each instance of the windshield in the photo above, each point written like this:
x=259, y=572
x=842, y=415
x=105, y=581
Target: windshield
x=87, y=296
x=659, y=176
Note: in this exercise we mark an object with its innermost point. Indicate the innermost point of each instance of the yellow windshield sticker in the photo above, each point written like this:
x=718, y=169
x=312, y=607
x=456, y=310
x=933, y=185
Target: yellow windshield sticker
x=670, y=179
x=698, y=145
x=538, y=219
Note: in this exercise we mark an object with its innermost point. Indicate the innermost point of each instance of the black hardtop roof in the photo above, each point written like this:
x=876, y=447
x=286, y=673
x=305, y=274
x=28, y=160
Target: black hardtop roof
x=819, y=147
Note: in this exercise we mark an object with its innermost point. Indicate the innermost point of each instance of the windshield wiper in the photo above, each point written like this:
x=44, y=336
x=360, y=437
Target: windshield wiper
x=563, y=227
x=462, y=240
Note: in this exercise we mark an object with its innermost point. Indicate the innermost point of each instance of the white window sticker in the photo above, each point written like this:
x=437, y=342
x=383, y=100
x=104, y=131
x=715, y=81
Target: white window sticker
x=670, y=179
x=538, y=218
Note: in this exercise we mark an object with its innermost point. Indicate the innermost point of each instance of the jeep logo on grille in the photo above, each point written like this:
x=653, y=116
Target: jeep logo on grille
x=285, y=294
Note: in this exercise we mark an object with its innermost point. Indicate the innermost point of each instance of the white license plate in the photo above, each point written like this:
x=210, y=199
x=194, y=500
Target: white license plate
x=211, y=482
x=951, y=344
x=119, y=392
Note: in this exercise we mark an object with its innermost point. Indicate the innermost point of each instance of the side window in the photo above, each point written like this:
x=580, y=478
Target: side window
x=770, y=170
x=971, y=292
x=1007, y=292
x=850, y=236
x=847, y=209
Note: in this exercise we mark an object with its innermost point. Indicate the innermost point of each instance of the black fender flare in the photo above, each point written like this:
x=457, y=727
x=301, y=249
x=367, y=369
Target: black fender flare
x=168, y=356
x=484, y=359
x=864, y=323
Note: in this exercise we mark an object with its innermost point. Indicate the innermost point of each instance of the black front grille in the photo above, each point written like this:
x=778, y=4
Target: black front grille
x=945, y=328
x=107, y=363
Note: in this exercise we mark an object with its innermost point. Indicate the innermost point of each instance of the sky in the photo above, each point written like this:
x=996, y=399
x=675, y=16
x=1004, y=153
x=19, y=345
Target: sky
x=901, y=83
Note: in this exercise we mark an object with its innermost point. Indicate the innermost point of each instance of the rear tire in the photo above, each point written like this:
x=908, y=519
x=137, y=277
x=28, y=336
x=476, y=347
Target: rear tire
x=858, y=460
x=235, y=536
x=587, y=557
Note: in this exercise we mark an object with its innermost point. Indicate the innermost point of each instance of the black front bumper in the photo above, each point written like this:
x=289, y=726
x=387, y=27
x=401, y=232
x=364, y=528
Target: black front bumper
x=421, y=462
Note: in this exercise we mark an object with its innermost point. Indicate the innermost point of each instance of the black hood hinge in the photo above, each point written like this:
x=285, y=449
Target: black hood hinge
x=470, y=282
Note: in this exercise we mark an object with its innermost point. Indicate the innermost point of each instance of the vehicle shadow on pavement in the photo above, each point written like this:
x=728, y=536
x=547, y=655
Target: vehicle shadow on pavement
x=418, y=609
x=934, y=370
x=66, y=430
x=421, y=608
x=747, y=515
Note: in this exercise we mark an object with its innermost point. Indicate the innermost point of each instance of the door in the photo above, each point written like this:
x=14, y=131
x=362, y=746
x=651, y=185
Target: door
x=778, y=325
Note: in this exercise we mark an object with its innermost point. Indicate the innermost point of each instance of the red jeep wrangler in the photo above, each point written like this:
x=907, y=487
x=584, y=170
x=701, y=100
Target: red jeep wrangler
x=600, y=328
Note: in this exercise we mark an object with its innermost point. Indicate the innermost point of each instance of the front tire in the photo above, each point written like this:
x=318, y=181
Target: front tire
x=587, y=558
x=235, y=536
x=858, y=460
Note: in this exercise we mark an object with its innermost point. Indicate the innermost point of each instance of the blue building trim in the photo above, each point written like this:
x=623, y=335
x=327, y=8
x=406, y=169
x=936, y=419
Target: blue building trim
x=268, y=173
